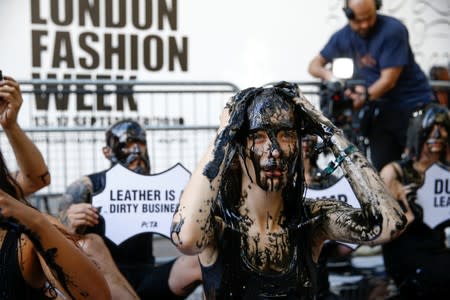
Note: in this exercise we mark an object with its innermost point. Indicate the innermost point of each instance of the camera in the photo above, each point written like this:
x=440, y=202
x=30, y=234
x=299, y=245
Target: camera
x=339, y=109
x=333, y=102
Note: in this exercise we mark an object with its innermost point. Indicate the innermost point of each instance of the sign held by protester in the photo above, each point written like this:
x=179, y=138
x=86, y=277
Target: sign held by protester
x=340, y=191
x=434, y=195
x=132, y=203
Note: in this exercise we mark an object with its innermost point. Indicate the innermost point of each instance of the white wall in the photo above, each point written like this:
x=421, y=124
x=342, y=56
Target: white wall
x=247, y=42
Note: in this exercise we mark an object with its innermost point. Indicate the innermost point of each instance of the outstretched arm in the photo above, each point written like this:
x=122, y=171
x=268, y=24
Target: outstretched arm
x=380, y=217
x=33, y=172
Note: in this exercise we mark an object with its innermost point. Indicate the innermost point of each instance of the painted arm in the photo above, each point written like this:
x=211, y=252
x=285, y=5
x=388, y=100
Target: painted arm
x=194, y=225
x=33, y=172
x=390, y=175
x=71, y=271
x=380, y=217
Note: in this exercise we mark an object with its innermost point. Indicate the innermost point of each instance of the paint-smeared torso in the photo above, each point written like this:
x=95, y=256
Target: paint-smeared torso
x=242, y=272
x=268, y=252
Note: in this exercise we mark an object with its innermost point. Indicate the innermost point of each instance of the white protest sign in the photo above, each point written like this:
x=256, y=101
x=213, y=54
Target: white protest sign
x=434, y=195
x=132, y=203
x=340, y=191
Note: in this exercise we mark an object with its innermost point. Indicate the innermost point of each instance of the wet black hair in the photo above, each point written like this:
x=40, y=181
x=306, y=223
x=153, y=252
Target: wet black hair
x=235, y=134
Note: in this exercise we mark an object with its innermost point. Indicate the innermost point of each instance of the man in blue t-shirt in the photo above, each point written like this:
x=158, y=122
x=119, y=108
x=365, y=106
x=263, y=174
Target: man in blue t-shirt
x=379, y=47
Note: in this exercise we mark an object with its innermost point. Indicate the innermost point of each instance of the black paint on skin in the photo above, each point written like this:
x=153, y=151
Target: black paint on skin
x=249, y=116
x=276, y=257
x=48, y=255
x=234, y=135
x=272, y=117
x=283, y=249
x=44, y=176
x=366, y=224
x=176, y=229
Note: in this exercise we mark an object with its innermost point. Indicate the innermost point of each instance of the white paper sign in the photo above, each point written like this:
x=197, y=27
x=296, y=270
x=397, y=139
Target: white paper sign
x=340, y=191
x=132, y=203
x=434, y=195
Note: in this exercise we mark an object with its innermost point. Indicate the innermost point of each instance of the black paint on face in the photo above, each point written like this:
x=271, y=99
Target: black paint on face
x=134, y=156
x=437, y=140
x=272, y=142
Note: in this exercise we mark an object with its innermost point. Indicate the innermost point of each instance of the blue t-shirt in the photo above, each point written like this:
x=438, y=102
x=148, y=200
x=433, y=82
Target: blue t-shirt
x=387, y=46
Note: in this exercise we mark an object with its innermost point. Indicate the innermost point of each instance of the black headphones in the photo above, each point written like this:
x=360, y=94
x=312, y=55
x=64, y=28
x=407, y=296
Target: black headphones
x=351, y=15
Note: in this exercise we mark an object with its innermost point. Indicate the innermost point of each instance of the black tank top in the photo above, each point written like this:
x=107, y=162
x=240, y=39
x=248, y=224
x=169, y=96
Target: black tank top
x=230, y=278
x=12, y=283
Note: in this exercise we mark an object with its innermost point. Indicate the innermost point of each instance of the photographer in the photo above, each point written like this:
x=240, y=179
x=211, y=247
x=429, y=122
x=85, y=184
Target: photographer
x=379, y=46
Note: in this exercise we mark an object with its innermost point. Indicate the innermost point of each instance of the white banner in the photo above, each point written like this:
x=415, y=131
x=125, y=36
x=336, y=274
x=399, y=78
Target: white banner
x=247, y=43
x=132, y=203
x=434, y=195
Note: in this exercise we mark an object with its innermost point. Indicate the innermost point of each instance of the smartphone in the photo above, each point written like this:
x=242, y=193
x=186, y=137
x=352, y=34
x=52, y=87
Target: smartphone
x=1, y=75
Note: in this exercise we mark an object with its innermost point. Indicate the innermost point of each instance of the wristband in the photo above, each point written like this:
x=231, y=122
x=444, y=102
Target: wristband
x=332, y=166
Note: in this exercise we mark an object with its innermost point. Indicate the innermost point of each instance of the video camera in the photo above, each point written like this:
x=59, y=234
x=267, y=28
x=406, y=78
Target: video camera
x=333, y=102
x=339, y=108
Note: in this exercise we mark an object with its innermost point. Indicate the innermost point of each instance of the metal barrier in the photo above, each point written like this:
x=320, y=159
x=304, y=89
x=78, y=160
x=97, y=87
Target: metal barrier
x=67, y=119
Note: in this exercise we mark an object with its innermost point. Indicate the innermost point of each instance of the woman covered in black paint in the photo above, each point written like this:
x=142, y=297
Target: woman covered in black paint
x=37, y=260
x=419, y=260
x=244, y=213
